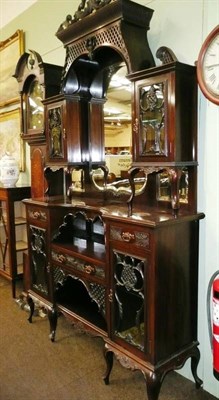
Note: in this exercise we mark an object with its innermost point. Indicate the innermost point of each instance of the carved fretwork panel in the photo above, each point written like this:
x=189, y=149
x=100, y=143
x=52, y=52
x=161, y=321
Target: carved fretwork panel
x=109, y=36
x=129, y=295
x=38, y=259
x=120, y=25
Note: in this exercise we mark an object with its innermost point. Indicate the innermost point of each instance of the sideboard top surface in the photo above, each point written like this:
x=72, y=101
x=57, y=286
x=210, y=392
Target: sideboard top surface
x=113, y=210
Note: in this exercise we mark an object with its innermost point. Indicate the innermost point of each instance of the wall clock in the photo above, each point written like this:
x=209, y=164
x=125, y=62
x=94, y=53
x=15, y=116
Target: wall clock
x=208, y=66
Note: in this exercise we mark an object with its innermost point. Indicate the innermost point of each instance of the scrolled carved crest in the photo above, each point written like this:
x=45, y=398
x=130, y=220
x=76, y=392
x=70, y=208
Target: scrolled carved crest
x=85, y=8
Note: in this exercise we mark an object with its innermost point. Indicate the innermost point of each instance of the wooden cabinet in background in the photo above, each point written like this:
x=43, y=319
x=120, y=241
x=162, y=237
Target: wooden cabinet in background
x=13, y=237
x=36, y=81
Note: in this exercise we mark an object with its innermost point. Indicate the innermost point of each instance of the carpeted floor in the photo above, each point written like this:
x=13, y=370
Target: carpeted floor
x=34, y=368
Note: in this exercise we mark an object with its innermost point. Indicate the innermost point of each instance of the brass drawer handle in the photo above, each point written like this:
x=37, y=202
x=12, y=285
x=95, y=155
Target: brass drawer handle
x=89, y=269
x=36, y=214
x=110, y=296
x=61, y=258
x=127, y=236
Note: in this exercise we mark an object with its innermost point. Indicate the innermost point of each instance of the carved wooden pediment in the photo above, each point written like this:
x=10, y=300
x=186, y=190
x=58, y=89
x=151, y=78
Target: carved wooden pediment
x=119, y=25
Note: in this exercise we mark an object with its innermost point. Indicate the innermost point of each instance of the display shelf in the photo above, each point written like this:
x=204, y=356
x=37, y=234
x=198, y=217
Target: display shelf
x=13, y=236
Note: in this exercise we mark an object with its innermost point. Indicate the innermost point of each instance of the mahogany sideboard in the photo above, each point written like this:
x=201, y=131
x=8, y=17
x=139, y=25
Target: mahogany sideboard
x=116, y=253
x=131, y=280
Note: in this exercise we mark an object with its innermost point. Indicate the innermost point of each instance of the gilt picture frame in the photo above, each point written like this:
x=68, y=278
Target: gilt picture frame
x=10, y=51
x=10, y=138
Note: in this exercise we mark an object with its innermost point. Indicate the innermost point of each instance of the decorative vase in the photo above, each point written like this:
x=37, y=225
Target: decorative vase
x=9, y=171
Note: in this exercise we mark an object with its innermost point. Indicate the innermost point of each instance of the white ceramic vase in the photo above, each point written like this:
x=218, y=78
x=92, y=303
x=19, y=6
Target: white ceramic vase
x=9, y=171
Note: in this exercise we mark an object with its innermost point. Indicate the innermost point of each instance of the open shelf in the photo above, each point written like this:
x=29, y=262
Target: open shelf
x=67, y=297
x=21, y=245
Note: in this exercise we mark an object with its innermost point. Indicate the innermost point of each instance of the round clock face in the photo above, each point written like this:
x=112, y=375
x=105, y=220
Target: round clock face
x=208, y=67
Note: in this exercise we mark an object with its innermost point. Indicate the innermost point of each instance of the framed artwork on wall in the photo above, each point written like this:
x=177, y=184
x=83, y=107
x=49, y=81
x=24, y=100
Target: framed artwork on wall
x=10, y=138
x=10, y=51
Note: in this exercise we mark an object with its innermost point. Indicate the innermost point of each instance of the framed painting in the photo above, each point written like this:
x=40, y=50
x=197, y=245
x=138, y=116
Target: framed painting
x=10, y=138
x=10, y=51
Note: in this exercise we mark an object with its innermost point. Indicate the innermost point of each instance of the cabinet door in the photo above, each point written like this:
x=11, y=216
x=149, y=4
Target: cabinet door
x=55, y=131
x=38, y=260
x=151, y=119
x=129, y=306
x=66, y=130
x=165, y=106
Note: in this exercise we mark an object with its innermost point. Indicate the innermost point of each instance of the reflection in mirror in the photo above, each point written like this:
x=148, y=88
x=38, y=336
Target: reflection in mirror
x=164, y=186
x=117, y=124
x=117, y=176
x=104, y=180
x=77, y=179
x=35, y=108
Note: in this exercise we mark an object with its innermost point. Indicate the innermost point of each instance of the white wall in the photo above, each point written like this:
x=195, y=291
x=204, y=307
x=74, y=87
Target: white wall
x=208, y=195
x=181, y=25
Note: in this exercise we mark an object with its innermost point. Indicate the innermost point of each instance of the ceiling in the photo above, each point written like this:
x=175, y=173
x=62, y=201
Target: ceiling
x=10, y=9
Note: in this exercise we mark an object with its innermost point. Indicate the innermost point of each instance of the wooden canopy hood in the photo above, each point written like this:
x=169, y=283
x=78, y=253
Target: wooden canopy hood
x=99, y=24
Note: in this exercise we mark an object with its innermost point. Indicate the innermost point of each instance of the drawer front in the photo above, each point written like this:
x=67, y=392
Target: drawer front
x=132, y=235
x=77, y=264
x=37, y=214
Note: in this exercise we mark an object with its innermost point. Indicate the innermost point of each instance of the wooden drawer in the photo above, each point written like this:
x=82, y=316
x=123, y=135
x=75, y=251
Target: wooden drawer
x=78, y=265
x=37, y=214
x=132, y=235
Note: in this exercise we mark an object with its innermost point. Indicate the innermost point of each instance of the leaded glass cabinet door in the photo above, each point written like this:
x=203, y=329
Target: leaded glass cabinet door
x=55, y=131
x=38, y=261
x=129, y=293
x=152, y=142
x=163, y=119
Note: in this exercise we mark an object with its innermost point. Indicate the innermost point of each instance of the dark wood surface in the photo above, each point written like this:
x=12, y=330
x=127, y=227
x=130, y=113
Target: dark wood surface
x=122, y=267
x=170, y=276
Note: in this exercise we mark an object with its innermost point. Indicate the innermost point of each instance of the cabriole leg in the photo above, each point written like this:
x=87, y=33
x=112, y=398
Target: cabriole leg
x=108, y=355
x=195, y=357
x=32, y=308
x=53, y=316
x=153, y=385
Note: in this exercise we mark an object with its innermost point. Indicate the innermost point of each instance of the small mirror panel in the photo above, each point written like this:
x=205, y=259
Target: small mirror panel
x=117, y=125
